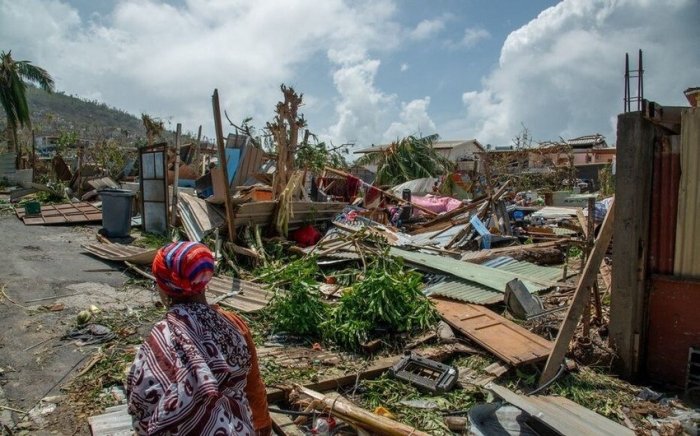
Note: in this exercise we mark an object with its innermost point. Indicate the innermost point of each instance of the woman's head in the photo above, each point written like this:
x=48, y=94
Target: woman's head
x=183, y=269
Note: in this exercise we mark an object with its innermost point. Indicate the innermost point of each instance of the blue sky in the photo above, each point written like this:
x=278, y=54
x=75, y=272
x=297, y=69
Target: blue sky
x=370, y=71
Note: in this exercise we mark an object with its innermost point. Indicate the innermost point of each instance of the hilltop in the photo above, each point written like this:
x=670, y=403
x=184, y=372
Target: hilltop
x=57, y=112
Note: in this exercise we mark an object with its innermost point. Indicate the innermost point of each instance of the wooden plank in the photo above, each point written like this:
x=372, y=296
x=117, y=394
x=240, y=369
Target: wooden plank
x=560, y=414
x=636, y=139
x=222, y=165
x=283, y=425
x=505, y=339
x=581, y=298
x=176, y=177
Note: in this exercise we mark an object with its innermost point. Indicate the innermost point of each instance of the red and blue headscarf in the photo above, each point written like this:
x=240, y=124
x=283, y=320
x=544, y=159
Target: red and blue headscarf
x=183, y=269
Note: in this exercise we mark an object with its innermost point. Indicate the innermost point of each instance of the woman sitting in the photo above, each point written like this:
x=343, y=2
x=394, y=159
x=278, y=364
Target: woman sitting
x=197, y=372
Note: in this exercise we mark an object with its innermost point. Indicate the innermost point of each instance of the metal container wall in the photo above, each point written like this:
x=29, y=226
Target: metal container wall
x=674, y=327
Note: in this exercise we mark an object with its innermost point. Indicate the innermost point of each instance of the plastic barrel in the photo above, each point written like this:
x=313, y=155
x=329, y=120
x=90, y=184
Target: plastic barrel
x=116, y=212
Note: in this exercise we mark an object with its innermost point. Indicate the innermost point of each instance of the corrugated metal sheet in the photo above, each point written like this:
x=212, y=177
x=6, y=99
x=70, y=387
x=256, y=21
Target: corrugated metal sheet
x=248, y=296
x=438, y=238
x=531, y=271
x=463, y=290
x=561, y=414
x=687, y=250
x=7, y=163
x=472, y=292
x=122, y=253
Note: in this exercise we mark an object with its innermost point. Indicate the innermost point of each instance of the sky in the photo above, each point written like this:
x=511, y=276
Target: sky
x=371, y=71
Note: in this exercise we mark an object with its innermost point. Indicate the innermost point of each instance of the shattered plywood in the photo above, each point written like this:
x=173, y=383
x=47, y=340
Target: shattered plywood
x=72, y=213
x=508, y=341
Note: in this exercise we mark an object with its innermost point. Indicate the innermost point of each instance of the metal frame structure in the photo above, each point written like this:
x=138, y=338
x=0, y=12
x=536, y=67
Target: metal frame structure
x=153, y=181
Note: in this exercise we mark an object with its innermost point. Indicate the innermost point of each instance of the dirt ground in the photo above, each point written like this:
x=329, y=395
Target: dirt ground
x=39, y=267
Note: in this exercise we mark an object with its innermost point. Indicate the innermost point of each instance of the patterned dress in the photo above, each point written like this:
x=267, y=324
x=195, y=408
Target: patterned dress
x=189, y=377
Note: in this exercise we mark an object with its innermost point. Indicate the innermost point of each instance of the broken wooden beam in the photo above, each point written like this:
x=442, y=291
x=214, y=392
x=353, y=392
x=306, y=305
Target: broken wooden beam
x=580, y=300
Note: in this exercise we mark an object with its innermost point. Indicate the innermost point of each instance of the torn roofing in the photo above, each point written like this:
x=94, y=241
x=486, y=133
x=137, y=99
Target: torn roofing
x=484, y=284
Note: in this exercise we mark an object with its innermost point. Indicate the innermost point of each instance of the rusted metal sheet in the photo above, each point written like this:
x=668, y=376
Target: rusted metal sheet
x=70, y=213
x=122, y=253
x=674, y=327
x=245, y=296
x=505, y=339
x=561, y=414
x=687, y=249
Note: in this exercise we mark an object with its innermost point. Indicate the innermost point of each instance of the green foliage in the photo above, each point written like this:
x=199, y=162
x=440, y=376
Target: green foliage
x=55, y=194
x=607, y=181
x=108, y=155
x=389, y=393
x=55, y=112
x=387, y=297
x=152, y=240
x=66, y=139
x=317, y=156
x=299, y=310
x=14, y=76
x=574, y=252
x=408, y=159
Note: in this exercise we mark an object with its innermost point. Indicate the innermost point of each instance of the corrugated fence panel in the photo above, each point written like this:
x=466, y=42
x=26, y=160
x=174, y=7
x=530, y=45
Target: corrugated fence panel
x=687, y=252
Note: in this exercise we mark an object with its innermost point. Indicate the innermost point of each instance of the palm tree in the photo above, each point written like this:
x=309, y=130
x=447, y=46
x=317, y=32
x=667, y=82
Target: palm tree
x=407, y=159
x=14, y=76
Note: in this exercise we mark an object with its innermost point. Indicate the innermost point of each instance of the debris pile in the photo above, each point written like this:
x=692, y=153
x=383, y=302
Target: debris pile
x=394, y=307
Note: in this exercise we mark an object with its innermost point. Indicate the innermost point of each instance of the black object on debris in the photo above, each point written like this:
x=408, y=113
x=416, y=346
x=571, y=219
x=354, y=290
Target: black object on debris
x=425, y=373
x=520, y=302
x=90, y=335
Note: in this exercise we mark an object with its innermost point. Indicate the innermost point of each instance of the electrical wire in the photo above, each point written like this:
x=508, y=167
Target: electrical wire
x=292, y=412
x=559, y=373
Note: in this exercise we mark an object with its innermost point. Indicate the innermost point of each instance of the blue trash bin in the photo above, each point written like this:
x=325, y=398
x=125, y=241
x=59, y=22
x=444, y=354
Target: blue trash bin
x=116, y=212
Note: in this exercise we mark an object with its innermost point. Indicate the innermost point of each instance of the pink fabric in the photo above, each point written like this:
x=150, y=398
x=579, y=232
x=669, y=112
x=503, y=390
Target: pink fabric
x=436, y=204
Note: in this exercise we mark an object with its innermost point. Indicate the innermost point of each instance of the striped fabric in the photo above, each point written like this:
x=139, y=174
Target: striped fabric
x=183, y=269
x=190, y=376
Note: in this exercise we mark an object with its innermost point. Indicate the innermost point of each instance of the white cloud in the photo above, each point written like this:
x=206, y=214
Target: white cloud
x=150, y=56
x=473, y=35
x=362, y=109
x=404, y=67
x=427, y=29
x=562, y=73
x=414, y=120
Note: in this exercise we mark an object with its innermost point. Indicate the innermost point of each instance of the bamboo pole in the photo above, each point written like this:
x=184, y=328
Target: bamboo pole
x=345, y=410
x=387, y=194
x=222, y=164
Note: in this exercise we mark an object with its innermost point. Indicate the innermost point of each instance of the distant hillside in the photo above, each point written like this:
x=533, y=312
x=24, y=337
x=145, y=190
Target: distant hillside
x=53, y=113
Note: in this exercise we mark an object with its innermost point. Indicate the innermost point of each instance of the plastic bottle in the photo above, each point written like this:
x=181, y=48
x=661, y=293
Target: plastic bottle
x=323, y=426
